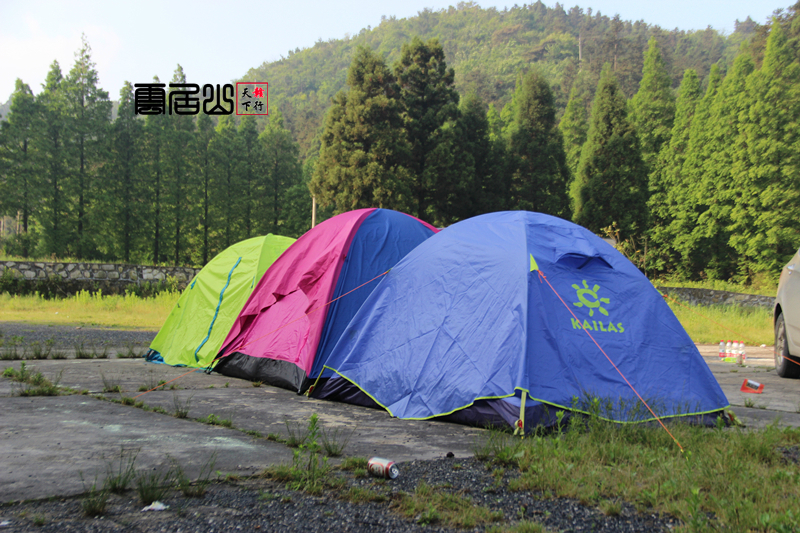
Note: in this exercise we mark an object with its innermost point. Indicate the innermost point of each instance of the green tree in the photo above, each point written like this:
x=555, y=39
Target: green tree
x=766, y=218
x=249, y=163
x=486, y=181
x=154, y=161
x=280, y=172
x=686, y=193
x=541, y=177
x=612, y=179
x=51, y=144
x=20, y=187
x=363, y=149
x=430, y=101
x=653, y=105
x=224, y=151
x=178, y=135
x=666, y=182
x=574, y=126
x=713, y=186
x=203, y=165
x=123, y=182
x=89, y=111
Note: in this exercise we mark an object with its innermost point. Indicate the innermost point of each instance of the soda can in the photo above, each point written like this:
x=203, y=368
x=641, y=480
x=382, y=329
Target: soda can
x=384, y=468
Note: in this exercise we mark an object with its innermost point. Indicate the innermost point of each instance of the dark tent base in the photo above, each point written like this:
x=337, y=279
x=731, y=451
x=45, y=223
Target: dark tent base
x=495, y=413
x=270, y=371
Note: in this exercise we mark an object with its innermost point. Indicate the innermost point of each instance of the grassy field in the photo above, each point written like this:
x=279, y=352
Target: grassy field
x=705, y=325
x=709, y=325
x=727, y=479
x=84, y=309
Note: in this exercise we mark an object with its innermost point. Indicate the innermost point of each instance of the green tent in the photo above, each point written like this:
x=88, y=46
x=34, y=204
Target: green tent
x=204, y=314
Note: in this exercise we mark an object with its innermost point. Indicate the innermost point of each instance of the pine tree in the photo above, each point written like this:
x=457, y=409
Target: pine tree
x=203, y=166
x=124, y=184
x=488, y=181
x=612, y=179
x=51, y=144
x=154, y=161
x=653, y=105
x=430, y=101
x=250, y=163
x=686, y=192
x=574, y=127
x=766, y=217
x=179, y=134
x=666, y=177
x=541, y=178
x=20, y=184
x=280, y=172
x=714, y=188
x=89, y=110
x=224, y=153
x=364, y=147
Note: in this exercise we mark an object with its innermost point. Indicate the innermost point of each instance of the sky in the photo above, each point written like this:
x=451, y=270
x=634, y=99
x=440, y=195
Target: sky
x=216, y=42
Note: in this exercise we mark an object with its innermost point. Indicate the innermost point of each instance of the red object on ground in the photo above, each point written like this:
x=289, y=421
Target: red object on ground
x=753, y=387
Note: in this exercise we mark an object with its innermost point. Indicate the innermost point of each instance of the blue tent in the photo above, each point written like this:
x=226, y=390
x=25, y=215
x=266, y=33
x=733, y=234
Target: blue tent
x=494, y=320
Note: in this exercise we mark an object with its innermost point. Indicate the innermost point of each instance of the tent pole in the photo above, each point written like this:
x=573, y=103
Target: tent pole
x=313, y=211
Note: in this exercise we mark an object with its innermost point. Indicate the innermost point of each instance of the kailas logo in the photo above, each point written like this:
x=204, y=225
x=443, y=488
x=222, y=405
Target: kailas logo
x=589, y=299
x=589, y=303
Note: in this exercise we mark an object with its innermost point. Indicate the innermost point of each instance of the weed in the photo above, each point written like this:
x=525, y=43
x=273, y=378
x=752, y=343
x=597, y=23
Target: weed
x=58, y=354
x=22, y=375
x=610, y=507
x=267, y=496
x=153, y=486
x=308, y=469
x=110, y=385
x=41, y=352
x=127, y=400
x=214, y=420
x=352, y=463
x=527, y=526
x=160, y=410
x=199, y=487
x=360, y=472
x=275, y=437
x=39, y=520
x=226, y=384
x=749, y=403
x=254, y=433
x=100, y=355
x=362, y=495
x=432, y=506
x=11, y=351
x=298, y=433
x=95, y=501
x=82, y=353
x=181, y=406
x=257, y=383
x=334, y=441
x=36, y=384
x=119, y=478
x=129, y=353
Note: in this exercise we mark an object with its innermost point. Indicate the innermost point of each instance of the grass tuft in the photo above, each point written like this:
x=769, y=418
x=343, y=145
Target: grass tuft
x=119, y=477
x=153, y=486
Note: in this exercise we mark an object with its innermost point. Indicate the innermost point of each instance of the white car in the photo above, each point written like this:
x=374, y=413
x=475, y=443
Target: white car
x=786, y=319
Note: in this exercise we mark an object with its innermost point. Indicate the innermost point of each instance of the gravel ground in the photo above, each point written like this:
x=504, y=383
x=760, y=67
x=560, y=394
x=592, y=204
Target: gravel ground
x=263, y=505
x=67, y=337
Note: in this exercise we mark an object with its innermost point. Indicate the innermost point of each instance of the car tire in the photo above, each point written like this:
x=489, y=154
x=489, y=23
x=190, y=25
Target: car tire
x=785, y=365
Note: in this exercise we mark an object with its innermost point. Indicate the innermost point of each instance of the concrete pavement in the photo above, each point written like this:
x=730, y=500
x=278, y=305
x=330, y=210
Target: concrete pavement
x=48, y=443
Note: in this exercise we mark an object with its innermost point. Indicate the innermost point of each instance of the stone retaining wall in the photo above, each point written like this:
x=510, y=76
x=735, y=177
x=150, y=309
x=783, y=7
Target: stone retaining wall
x=111, y=278
x=712, y=297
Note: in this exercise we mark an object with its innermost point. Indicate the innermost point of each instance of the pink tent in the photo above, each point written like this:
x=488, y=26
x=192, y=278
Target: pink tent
x=277, y=336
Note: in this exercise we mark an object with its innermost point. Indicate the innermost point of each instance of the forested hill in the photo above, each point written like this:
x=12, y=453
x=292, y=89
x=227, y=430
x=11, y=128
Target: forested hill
x=488, y=48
